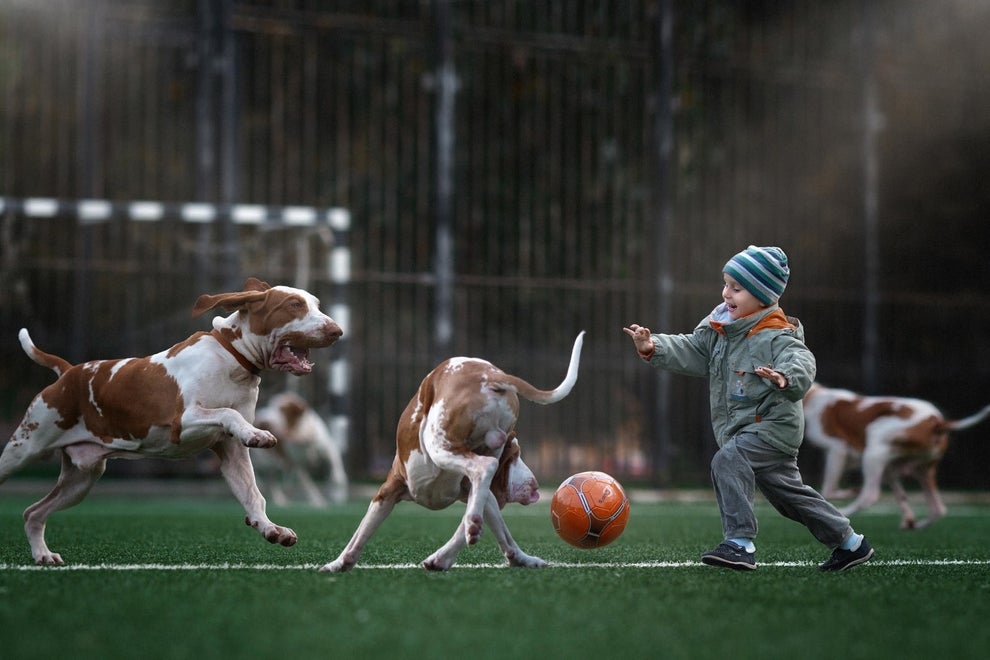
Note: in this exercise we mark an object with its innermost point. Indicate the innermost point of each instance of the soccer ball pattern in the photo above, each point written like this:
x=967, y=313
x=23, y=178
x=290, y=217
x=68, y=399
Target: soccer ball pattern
x=589, y=510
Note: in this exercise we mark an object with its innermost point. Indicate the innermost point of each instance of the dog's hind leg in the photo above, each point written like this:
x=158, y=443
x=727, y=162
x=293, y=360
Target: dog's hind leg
x=15, y=456
x=444, y=558
x=32, y=440
x=936, y=507
x=82, y=466
x=378, y=510
x=391, y=493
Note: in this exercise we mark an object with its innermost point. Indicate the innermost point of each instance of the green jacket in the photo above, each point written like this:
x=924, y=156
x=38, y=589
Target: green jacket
x=728, y=353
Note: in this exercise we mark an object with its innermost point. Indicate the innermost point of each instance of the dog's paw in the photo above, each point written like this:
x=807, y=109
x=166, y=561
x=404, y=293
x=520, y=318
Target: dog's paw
x=48, y=558
x=437, y=562
x=522, y=560
x=472, y=529
x=260, y=439
x=338, y=565
x=274, y=533
x=282, y=536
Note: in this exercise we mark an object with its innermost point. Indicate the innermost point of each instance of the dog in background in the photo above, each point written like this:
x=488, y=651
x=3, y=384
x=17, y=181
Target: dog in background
x=891, y=436
x=305, y=445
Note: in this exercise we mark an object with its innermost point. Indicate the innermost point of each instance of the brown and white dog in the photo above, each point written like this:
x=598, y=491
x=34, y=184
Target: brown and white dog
x=456, y=440
x=199, y=394
x=304, y=444
x=891, y=436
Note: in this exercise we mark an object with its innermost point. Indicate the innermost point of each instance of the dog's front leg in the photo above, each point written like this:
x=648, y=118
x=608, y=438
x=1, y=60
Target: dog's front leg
x=235, y=465
x=835, y=465
x=479, y=472
x=510, y=549
x=198, y=421
x=907, y=513
x=874, y=464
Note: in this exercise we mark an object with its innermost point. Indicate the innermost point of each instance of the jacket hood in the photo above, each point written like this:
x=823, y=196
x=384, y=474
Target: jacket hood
x=771, y=318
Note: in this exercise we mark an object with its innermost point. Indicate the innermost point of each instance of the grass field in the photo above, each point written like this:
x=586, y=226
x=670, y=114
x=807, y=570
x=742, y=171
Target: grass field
x=175, y=577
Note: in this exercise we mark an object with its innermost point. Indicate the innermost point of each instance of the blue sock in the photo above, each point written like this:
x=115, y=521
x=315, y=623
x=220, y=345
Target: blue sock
x=745, y=544
x=852, y=541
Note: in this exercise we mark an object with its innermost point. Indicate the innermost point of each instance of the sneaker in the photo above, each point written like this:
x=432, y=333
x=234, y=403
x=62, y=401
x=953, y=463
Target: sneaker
x=843, y=559
x=730, y=555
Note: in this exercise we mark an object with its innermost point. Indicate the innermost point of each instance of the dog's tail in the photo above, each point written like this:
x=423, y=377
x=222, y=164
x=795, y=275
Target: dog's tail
x=966, y=422
x=527, y=391
x=53, y=362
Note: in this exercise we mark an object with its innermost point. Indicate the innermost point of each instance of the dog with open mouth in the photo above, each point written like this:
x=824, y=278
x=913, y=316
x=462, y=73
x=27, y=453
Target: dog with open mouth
x=199, y=394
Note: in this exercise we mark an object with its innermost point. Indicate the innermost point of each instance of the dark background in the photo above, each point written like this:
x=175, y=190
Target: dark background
x=593, y=163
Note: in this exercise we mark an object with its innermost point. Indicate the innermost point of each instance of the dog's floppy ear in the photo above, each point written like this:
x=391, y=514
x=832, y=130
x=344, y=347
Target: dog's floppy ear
x=233, y=302
x=254, y=290
x=254, y=284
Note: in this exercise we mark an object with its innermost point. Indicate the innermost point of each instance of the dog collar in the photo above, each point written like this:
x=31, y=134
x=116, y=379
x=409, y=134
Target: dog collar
x=241, y=360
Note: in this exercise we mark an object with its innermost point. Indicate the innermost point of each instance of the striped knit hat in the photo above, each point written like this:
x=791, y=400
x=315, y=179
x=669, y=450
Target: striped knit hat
x=762, y=271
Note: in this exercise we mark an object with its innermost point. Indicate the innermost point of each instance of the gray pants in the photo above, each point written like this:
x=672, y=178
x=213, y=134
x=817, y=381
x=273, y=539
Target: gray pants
x=746, y=462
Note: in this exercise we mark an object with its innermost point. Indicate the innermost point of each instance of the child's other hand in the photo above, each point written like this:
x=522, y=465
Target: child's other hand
x=640, y=337
x=775, y=377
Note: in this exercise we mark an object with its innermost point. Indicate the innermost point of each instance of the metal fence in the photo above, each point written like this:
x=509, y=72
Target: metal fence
x=515, y=172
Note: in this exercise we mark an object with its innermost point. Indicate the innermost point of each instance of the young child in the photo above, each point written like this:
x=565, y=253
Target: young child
x=759, y=370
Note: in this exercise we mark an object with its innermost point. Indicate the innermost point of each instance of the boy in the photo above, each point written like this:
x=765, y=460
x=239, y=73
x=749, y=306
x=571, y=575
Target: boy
x=759, y=370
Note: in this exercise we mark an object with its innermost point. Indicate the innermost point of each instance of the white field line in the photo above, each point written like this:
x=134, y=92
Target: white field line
x=394, y=567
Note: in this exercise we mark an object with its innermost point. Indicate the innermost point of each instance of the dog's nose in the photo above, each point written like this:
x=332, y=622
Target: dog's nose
x=333, y=331
x=528, y=492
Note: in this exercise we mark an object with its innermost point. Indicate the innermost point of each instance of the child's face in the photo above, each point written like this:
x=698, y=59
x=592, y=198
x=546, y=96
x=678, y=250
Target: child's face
x=740, y=302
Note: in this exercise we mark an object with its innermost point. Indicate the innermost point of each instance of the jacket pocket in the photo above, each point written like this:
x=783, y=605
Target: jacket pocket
x=745, y=388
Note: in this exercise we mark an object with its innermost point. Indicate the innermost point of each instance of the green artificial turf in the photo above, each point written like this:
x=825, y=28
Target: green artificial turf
x=926, y=594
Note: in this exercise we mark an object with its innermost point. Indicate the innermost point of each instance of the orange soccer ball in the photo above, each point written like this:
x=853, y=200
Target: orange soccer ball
x=589, y=510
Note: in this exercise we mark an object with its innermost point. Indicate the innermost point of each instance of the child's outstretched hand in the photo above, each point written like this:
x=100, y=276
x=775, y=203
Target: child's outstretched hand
x=775, y=377
x=640, y=337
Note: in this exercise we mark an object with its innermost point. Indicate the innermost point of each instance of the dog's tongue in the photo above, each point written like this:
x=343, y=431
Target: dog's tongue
x=292, y=359
x=525, y=496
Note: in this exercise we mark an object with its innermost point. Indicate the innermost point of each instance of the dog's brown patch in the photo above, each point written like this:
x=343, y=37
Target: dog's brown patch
x=928, y=436
x=111, y=398
x=183, y=345
x=292, y=408
x=407, y=430
x=277, y=309
x=848, y=419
